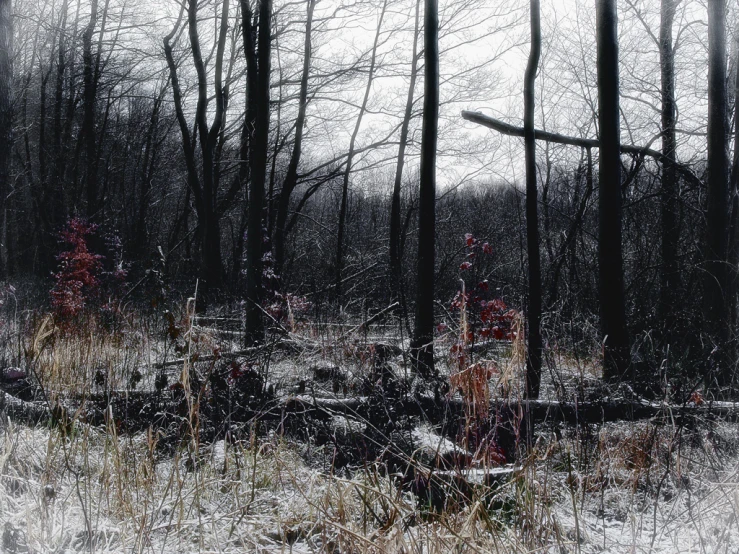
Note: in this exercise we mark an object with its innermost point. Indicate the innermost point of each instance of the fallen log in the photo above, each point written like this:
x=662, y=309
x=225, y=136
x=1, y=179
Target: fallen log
x=22, y=411
x=540, y=410
x=364, y=407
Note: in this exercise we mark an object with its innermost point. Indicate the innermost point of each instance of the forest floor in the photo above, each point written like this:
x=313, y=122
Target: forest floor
x=173, y=439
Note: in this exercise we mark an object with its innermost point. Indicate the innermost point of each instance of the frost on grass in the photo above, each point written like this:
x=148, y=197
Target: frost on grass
x=95, y=491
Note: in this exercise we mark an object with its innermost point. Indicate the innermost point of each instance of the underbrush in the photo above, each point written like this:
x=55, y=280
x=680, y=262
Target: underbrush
x=294, y=477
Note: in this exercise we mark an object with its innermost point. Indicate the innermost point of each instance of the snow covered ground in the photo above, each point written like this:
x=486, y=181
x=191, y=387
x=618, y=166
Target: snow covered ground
x=98, y=492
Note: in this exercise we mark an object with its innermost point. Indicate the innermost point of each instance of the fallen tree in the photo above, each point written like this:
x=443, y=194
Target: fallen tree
x=122, y=404
x=22, y=411
x=541, y=410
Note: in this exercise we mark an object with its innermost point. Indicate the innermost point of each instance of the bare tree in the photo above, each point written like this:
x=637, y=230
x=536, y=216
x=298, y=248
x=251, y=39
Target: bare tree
x=258, y=110
x=716, y=281
x=669, y=271
x=422, y=347
x=533, y=358
x=339, y=263
x=6, y=116
x=91, y=76
x=203, y=180
x=291, y=179
x=395, y=223
x=610, y=253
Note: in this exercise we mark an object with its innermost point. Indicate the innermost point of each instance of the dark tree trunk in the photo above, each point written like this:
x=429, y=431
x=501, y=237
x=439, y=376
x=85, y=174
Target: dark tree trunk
x=147, y=169
x=247, y=134
x=258, y=170
x=211, y=270
x=533, y=357
x=291, y=179
x=204, y=184
x=669, y=271
x=422, y=347
x=6, y=117
x=733, y=255
x=610, y=254
x=341, y=231
x=88, y=121
x=396, y=263
x=716, y=283
x=58, y=210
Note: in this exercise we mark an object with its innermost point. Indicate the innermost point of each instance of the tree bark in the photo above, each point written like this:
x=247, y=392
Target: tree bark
x=258, y=170
x=6, y=117
x=422, y=346
x=396, y=262
x=716, y=282
x=610, y=254
x=733, y=254
x=669, y=271
x=534, y=346
x=88, y=121
x=201, y=174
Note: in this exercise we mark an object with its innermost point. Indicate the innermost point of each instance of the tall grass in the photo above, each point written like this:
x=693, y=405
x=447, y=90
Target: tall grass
x=665, y=485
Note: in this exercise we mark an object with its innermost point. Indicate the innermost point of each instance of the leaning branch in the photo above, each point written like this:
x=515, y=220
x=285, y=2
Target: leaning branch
x=513, y=131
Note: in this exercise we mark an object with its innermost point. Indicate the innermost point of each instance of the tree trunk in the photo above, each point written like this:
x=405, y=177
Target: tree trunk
x=341, y=231
x=211, y=269
x=533, y=357
x=291, y=179
x=204, y=189
x=258, y=170
x=396, y=263
x=716, y=282
x=88, y=121
x=6, y=115
x=733, y=254
x=422, y=347
x=610, y=254
x=669, y=271
x=147, y=170
x=56, y=186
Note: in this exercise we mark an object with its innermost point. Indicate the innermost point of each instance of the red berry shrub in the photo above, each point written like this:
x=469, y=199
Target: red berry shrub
x=482, y=318
x=77, y=280
x=486, y=317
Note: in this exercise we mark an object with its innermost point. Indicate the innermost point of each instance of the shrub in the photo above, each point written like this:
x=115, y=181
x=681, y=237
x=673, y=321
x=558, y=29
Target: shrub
x=77, y=280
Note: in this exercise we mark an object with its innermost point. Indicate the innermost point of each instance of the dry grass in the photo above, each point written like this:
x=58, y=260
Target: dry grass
x=666, y=486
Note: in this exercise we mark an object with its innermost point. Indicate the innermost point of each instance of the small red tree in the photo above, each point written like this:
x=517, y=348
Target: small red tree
x=482, y=318
x=77, y=279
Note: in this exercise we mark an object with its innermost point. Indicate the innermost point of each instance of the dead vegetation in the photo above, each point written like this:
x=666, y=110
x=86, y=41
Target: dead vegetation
x=311, y=444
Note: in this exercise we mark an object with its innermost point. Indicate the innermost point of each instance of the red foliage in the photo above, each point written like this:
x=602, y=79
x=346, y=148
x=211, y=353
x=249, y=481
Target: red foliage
x=77, y=279
x=696, y=398
x=487, y=318
x=481, y=318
